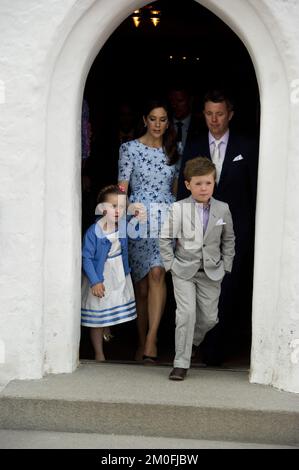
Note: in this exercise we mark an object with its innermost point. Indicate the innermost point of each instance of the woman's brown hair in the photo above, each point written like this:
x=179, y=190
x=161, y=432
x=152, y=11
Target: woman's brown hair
x=169, y=137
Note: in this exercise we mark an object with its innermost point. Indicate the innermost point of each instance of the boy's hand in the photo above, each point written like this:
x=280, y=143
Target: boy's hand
x=98, y=290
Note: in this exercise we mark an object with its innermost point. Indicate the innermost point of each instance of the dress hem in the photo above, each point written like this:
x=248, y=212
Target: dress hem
x=151, y=267
x=94, y=325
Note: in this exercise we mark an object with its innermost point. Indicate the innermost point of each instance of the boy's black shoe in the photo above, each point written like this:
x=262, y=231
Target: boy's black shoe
x=177, y=373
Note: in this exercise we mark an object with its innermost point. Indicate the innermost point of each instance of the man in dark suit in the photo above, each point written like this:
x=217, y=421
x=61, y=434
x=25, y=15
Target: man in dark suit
x=235, y=158
x=185, y=123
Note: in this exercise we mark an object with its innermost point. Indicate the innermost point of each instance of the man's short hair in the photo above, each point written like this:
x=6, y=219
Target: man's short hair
x=199, y=166
x=219, y=96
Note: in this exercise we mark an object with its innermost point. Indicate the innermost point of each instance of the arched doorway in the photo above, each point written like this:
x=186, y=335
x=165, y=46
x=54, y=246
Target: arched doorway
x=85, y=33
x=148, y=59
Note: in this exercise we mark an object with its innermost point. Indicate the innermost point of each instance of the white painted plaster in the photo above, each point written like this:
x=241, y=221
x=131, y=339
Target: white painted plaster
x=46, y=50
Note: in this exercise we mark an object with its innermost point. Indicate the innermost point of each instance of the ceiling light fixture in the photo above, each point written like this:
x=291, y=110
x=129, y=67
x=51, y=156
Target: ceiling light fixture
x=136, y=17
x=146, y=15
x=155, y=17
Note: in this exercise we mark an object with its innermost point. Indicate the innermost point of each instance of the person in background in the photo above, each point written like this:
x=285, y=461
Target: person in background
x=186, y=126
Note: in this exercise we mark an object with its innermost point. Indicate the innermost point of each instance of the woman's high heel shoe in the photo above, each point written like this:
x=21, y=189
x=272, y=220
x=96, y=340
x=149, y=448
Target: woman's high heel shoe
x=150, y=359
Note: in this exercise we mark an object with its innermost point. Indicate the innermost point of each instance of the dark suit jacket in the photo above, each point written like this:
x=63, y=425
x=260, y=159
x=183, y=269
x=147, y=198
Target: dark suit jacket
x=193, y=131
x=237, y=185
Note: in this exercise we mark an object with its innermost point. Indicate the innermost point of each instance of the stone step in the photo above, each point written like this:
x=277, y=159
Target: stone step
x=67, y=440
x=137, y=400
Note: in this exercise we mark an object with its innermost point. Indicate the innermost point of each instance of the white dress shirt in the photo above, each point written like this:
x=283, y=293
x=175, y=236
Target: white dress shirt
x=222, y=147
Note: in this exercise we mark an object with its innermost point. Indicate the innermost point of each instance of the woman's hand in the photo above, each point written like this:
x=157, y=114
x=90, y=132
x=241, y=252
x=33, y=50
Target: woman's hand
x=98, y=290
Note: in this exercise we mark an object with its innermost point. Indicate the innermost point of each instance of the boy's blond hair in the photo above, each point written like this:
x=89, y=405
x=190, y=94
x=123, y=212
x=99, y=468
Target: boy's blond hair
x=199, y=166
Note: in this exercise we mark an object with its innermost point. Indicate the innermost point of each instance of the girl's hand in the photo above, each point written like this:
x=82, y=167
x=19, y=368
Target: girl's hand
x=138, y=210
x=98, y=290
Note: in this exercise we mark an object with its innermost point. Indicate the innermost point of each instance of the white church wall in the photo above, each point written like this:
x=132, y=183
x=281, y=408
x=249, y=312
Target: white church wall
x=281, y=19
x=62, y=312
x=29, y=32
x=272, y=41
x=46, y=50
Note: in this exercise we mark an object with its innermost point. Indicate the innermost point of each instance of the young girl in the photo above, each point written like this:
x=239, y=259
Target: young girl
x=107, y=290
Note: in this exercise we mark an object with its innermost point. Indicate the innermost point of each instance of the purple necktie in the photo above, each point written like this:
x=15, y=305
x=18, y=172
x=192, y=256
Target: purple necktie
x=206, y=212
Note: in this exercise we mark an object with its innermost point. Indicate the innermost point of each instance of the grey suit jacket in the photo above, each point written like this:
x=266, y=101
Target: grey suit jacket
x=214, y=252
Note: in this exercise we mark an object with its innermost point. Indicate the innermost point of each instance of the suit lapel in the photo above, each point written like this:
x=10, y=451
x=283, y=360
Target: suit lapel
x=191, y=133
x=229, y=155
x=206, y=148
x=196, y=224
x=213, y=217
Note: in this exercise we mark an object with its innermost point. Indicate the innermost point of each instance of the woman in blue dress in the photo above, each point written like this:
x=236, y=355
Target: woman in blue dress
x=149, y=166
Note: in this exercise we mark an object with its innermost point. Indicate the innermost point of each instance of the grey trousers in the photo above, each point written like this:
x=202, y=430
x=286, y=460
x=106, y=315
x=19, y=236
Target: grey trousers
x=197, y=312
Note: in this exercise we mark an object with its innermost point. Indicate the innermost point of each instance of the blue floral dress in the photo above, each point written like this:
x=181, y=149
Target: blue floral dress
x=151, y=180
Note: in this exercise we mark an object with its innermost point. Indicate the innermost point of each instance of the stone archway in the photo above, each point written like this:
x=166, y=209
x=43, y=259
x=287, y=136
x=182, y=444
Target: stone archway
x=82, y=39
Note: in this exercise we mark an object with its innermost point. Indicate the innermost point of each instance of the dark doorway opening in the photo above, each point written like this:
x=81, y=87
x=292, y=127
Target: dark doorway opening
x=189, y=45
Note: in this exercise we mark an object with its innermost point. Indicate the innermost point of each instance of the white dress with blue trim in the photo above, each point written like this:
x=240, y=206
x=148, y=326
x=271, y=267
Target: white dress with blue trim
x=118, y=304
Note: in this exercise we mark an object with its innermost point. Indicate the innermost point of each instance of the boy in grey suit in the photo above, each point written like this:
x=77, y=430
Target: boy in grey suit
x=204, y=251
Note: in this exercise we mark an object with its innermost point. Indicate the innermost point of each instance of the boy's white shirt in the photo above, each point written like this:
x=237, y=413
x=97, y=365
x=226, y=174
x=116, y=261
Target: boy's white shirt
x=190, y=232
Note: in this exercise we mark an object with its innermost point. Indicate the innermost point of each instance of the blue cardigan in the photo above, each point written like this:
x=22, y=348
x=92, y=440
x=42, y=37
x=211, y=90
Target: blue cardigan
x=96, y=247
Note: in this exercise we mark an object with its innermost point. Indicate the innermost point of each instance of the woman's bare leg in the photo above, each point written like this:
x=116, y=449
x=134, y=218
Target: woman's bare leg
x=141, y=297
x=156, y=305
